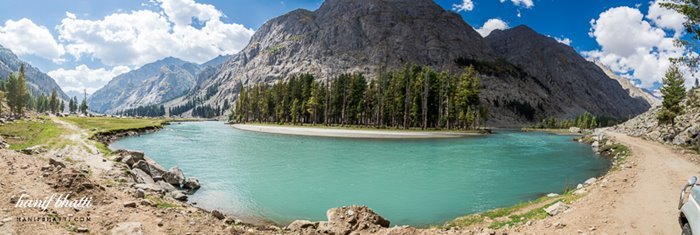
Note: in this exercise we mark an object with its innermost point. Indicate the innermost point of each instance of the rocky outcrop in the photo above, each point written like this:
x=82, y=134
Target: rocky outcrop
x=147, y=175
x=685, y=133
x=344, y=220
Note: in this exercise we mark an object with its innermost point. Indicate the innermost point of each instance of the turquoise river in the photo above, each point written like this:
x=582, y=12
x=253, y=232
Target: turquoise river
x=281, y=178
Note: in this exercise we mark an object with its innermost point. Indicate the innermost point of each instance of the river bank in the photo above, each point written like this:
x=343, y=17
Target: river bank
x=610, y=204
x=353, y=133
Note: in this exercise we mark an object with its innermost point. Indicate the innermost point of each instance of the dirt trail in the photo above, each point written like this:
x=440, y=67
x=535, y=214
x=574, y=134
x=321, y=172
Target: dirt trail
x=641, y=198
x=81, y=149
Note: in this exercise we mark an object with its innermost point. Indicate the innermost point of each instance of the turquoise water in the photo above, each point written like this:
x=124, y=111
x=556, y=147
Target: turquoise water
x=281, y=178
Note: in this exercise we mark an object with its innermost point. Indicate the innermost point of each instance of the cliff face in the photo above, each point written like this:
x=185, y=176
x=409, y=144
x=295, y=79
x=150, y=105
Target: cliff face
x=525, y=75
x=39, y=83
x=575, y=84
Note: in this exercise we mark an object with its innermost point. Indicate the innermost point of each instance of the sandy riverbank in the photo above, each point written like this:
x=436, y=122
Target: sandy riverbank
x=350, y=133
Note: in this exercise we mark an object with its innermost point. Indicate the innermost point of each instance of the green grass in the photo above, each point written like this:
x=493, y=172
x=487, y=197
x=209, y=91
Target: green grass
x=31, y=132
x=513, y=215
x=107, y=124
x=160, y=203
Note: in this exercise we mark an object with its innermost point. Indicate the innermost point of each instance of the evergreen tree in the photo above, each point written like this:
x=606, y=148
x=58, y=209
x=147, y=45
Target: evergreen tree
x=83, y=105
x=691, y=10
x=673, y=91
x=17, y=92
x=53, y=103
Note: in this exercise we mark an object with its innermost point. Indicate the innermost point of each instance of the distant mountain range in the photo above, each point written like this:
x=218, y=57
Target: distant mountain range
x=152, y=84
x=525, y=75
x=39, y=83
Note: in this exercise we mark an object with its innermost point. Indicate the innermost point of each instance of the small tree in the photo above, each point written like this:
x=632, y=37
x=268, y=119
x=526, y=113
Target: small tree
x=673, y=91
x=17, y=93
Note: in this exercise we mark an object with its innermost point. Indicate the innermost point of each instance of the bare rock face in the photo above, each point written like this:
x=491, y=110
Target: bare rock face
x=572, y=85
x=344, y=220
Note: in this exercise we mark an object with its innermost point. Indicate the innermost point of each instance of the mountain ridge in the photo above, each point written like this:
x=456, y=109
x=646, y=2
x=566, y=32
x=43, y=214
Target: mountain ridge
x=38, y=82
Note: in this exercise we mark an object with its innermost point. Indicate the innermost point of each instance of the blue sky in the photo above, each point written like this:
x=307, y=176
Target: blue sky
x=75, y=53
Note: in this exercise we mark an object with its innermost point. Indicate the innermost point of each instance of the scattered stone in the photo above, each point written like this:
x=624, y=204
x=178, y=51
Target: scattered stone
x=559, y=225
x=556, y=209
x=140, y=193
x=128, y=228
x=82, y=230
x=230, y=221
x=165, y=186
x=146, y=202
x=580, y=192
x=141, y=176
x=34, y=150
x=579, y=186
x=56, y=163
x=552, y=195
x=217, y=214
x=130, y=204
x=575, y=130
x=590, y=181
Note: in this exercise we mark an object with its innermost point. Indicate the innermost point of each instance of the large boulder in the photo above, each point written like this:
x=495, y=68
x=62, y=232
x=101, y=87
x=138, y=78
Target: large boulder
x=141, y=176
x=192, y=184
x=153, y=169
x=174, y=176
x=556, y=208
x=129, y=157
x=352, y=219
x=3, y=144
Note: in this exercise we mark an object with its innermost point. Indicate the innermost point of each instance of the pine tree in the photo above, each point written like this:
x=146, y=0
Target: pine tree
x=673, y=91
x=83, y=105
x=53, y=102
x=691, y=10
x=17, y=93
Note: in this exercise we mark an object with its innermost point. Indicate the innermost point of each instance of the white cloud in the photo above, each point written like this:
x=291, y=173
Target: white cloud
x=563, y=40
x=82, y=77
x=492, y=25
x=141, y=37
x=24, y=37
x=633, y=46
x=666, y=18
x=523, y=3
x=466, y=5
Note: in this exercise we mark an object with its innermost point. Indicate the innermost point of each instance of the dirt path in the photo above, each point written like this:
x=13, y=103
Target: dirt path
x=641, y=198
x=81, y=148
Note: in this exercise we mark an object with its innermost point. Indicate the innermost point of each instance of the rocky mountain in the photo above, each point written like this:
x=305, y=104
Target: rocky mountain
x=525, y=75
x=686, y=132
x=633, y=90
x=574, y=85
x=153, y=83
x=39, y=83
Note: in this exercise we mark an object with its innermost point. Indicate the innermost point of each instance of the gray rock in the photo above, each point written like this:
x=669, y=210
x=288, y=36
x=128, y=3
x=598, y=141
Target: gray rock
x=165, y=186
x=556, y=208
x=552, y=195
x=590, y=181
x=300, y=225
x=127, y=228
x=174, y=176
x=82, y=230
x=575, y=130
x=579, y=186
x=177, y=195
x=56, y=163
x=130, y=204
x=140, y=193
x=141, y=176
x=349, y=219
x=191, y=183
x=34, y=150
x=217, y=214
x=151, y=168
